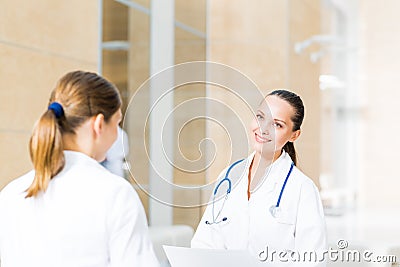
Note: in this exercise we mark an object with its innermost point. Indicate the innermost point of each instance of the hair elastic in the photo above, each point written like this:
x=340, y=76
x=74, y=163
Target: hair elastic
x=57, y=109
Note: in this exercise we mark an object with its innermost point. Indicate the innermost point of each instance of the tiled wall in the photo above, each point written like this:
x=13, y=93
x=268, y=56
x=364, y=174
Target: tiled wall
x=37, y=46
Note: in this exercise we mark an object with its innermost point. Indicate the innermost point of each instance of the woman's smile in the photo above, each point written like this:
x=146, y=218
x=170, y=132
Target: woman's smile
x=260, y=139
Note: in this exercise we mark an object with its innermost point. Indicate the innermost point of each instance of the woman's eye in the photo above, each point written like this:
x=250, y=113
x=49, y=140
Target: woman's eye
x=259, y=116
x=277, y=125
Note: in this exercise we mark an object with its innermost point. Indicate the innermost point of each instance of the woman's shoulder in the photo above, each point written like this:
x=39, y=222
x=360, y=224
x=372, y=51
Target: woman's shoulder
x=18, y=185
x=305, y=182
x=87, y=170
x=98, y=176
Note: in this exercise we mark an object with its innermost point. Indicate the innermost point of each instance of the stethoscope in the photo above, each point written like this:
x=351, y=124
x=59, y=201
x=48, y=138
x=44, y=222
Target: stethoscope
x=228, y=191
x=274, y=209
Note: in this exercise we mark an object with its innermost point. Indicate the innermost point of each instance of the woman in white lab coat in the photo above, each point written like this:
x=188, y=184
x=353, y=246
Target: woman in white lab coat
x=71, y=211
x=252, y=218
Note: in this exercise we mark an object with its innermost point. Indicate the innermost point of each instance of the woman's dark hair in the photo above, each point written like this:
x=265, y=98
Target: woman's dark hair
x=297, y=119
x=77, y=97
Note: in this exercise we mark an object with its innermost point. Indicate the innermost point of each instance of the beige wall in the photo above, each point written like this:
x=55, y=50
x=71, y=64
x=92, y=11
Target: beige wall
x=128, y=70
x=115, y=63
x=379, y=93
x=187, y=48
x=38, y=44
x=303, y=77
x=138, y=72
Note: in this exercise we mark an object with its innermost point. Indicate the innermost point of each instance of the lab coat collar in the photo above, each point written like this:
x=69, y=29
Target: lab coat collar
x=275, y=174
x=284, y=157
x=279, y=166
x=75, y=157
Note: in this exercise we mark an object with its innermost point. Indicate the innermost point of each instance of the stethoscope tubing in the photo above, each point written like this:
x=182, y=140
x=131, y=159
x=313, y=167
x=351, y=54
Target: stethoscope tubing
x=284, y=185
x=226, y=178
x=228, y=191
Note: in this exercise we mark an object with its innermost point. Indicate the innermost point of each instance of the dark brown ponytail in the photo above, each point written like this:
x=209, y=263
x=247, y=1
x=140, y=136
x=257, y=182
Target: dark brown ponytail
x=289, y=148
x=297, y=119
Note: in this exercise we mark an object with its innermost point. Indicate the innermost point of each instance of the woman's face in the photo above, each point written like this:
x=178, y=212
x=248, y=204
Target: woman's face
x=272, y=127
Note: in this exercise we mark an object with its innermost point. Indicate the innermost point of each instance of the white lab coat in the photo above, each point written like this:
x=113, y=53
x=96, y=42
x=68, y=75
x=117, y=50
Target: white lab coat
x=250, y=225
x=87, y=217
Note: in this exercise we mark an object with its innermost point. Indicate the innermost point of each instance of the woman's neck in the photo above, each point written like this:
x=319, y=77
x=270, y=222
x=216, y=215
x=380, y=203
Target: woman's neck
x=80, y=144
x=277, y=154
x=264, y=162
x=258, y=167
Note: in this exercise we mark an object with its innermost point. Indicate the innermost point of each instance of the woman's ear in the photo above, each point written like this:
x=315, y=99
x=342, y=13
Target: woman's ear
x=98, y=124
x=295, y=135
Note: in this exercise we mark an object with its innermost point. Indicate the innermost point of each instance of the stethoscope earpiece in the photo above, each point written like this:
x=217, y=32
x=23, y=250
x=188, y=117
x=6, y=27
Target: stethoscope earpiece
x=223, y=220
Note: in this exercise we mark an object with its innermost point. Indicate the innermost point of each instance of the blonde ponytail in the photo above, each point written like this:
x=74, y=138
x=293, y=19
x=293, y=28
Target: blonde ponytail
x=46, y=151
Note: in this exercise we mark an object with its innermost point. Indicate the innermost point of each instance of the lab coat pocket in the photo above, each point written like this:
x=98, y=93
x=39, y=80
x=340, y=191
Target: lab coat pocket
x=286, y=217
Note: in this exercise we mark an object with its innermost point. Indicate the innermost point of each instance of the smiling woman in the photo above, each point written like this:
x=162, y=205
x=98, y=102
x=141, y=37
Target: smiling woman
x=70, y=211
x=283, y=209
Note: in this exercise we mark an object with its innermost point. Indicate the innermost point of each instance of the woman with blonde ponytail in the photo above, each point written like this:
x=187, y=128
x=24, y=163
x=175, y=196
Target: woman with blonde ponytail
x=272, y=206
x=70, y=211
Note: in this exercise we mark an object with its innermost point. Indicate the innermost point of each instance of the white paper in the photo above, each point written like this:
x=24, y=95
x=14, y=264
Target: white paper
x=196, y=257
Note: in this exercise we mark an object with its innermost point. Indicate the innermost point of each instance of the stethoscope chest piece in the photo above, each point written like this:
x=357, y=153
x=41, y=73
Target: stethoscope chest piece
x=275, y=211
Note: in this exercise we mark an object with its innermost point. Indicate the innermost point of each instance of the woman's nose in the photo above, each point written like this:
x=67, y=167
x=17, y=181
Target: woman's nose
x=264, y=128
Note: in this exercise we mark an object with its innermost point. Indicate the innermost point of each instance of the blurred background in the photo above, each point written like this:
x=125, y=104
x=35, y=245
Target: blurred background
x=341, y=56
